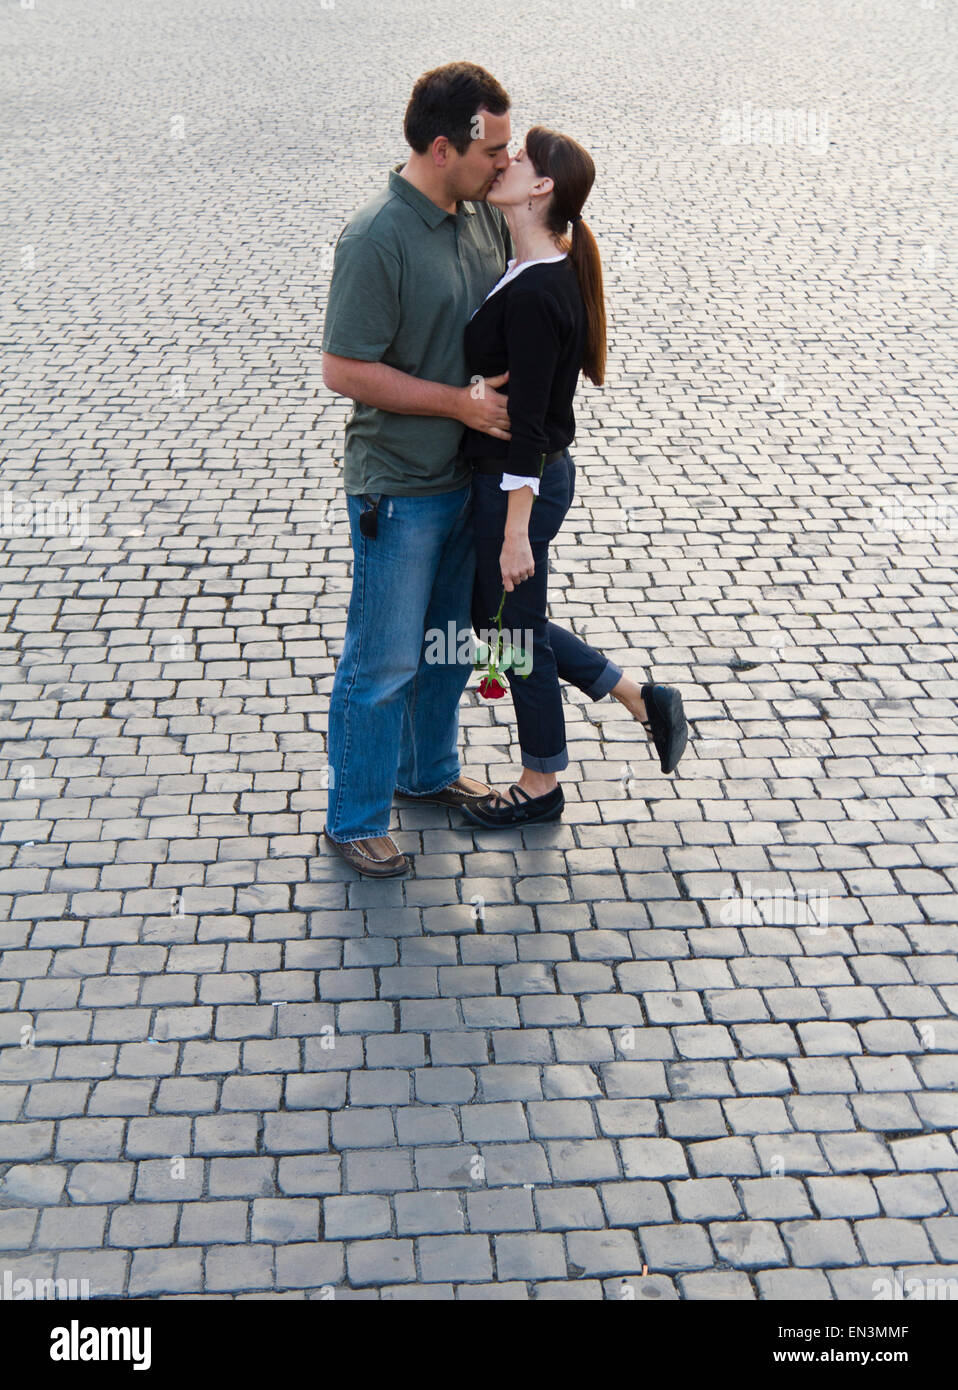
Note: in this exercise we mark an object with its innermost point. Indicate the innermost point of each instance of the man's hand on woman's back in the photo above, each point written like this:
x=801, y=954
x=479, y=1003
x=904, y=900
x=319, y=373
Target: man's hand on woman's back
x=485, y=409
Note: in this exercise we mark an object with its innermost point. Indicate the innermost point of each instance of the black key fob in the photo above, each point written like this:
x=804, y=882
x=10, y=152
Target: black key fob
x=369, y=521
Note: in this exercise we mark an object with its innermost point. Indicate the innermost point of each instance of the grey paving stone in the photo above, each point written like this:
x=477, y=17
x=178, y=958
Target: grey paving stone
x=866, y=1283
x=158, y=1272
x=653, y=1158
x=306, y=1174
x=428, y=1213
x=674, y=1248
x=505, y=1120
x=458, y=1258
x=748, y=1244
x=943, y=1234
x=380, y=1262
x=100, y=1182
x=509, y=1164
x=910, y=1195
x=512, y=1291
x=568, y=1209
x=704, y=1199
x=887, y=1111
x=853, y=1195
x=774, y=1199
x=569, y=1083
x=348, y=1217
x=760, y=1076
x=572, y=1290
x=445, y=1085
x=583, y=1160
x=693, y=1119
x=241, y=1177
x=723, y=1158
x=214, y=1223
x=278, y=1220
x=508, y=1209
x=603, y=1253
x=529, y=1256
x=820, y=1113
x=236, y=1268
x=140, y=1225
x=558, y=1119
x=363, y=1128
x=427, y=1124
x=820, y=1243
x=26, y=1141
x=929, y=1152
x=731, y=1285
x=302, y=1132
x=635, y=1203
x=793, y=1285
x=894, y=1241
x=373, y=1170
x=176, y=1179
x=455, y=1166
x=311, y=1265
x=17, y=1227
x=694, y=1079
x=34, y=1184
x=650, y=1288
x=627, y=1118
x=857, y=1153
x=105, y=1270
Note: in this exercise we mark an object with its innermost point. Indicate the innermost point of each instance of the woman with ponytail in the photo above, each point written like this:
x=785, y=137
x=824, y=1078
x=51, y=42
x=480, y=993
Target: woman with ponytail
x=543, y=323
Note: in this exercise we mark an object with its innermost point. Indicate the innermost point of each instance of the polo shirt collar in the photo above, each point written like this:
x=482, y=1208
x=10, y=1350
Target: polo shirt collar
x=430, y=213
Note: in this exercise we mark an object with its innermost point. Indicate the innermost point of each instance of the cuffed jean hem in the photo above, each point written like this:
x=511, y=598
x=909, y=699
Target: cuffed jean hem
x=432, y=790
x=607, y=681
x=554, y=764
x=354, y=839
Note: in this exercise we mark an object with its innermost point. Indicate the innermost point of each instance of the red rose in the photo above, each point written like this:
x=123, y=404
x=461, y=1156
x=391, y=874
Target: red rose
x=490, y=688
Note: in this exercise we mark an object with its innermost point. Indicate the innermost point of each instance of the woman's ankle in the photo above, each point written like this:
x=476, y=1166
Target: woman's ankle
x=629, y=694
x=538, y=783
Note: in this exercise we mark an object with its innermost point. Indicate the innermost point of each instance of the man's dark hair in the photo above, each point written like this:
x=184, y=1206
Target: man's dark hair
x=444, y=102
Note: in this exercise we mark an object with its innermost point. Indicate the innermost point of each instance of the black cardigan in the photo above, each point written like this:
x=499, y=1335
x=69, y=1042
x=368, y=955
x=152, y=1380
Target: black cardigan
x=534, y=327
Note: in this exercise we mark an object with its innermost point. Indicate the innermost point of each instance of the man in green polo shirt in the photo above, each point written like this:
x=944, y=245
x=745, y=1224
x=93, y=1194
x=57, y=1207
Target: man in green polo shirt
x=409, y=269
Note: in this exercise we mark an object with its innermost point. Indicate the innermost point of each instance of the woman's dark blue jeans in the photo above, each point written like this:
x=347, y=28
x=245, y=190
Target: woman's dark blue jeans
x=557, y=654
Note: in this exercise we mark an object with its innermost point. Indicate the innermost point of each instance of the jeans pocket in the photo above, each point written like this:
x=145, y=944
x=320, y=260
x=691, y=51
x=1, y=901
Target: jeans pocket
x=550, y=507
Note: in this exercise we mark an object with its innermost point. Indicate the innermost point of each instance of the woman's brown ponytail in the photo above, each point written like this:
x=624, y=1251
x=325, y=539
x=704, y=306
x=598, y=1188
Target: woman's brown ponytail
x=573, y=173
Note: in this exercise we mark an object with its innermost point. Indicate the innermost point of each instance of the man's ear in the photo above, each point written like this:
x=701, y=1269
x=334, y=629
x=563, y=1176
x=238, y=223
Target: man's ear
x=440, y=151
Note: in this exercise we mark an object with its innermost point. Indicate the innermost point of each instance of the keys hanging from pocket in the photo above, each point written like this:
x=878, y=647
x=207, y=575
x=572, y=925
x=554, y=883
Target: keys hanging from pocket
x=369, y=520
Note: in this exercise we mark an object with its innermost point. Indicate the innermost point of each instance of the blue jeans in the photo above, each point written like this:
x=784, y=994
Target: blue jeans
x=394, y=708
x=557, y=654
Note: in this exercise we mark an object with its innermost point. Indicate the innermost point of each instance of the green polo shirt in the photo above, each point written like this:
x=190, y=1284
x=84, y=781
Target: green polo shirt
x=407, y=276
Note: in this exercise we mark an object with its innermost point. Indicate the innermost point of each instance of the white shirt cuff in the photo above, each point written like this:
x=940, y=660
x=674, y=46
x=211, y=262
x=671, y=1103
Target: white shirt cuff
x=510, y=481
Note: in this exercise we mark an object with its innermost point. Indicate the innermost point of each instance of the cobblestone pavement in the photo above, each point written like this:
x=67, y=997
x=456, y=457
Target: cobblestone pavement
x=603, y=1058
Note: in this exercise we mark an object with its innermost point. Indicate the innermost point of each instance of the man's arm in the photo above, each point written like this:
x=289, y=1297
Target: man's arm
x=386, y=388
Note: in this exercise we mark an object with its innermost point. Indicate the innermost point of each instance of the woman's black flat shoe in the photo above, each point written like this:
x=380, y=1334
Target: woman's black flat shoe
x=666, y=720
x=532, y=810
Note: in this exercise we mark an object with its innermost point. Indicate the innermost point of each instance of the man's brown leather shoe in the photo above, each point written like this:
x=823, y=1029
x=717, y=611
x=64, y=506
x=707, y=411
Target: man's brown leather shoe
x=377, y=858
x=462, y=792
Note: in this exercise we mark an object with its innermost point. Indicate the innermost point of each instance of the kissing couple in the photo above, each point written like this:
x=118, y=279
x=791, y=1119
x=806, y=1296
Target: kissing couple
x=466, y=297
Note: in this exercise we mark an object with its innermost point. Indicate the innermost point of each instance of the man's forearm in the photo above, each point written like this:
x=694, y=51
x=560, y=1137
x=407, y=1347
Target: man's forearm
x=387, y=388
